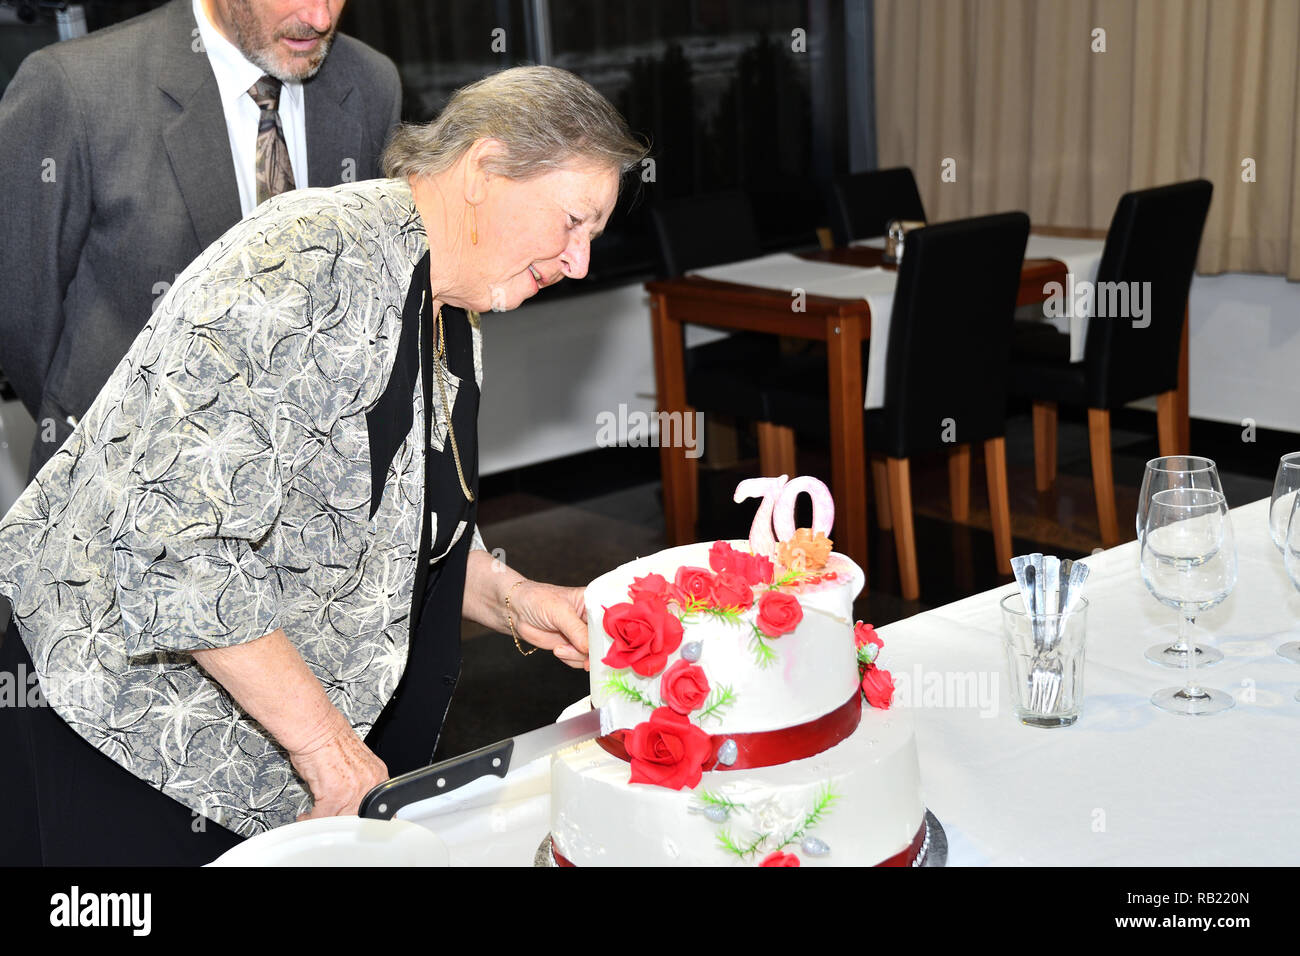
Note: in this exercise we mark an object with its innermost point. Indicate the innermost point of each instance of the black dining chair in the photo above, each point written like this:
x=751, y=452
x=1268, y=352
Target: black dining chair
x=862, y=204
x=945, y=380
x=701, y=231
x=1154, y=238
x=949, y=339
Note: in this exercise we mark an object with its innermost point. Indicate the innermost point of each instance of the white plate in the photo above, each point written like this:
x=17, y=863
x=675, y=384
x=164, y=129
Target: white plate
x=340, y=841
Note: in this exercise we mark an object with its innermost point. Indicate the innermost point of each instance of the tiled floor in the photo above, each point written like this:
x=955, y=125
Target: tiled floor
x=574, y=520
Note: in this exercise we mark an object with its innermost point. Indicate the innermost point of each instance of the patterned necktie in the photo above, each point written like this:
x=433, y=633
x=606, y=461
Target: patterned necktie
x=274, y=174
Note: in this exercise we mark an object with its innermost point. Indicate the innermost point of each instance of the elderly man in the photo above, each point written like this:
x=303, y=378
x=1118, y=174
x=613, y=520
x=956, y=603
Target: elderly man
x=126, y=153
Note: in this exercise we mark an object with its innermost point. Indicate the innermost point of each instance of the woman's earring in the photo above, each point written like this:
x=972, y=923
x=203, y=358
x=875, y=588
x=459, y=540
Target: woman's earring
x=473, y=226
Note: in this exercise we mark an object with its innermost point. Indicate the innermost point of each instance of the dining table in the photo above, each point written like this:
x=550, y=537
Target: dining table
x=843, y=324
x=1126, y=785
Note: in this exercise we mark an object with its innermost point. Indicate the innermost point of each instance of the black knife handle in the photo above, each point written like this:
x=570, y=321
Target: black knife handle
x=390, y=796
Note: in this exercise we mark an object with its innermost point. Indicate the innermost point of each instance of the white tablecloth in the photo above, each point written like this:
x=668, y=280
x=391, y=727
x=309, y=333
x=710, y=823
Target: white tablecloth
x=1081, y=258
x=785, y=271
x=1128, y=784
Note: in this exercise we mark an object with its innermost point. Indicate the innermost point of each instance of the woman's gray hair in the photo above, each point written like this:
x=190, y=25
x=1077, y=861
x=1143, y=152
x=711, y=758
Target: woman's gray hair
x=546, y=117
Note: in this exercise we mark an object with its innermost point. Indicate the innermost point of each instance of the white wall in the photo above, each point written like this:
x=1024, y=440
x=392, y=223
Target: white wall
x=550, y=368
x=1244, y=353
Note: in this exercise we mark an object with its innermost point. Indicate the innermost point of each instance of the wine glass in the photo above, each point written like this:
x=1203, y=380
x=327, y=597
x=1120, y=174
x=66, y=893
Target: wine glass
x=1177, y=471
x=1285, y=486
x=1189, y=562
x=1291, y=559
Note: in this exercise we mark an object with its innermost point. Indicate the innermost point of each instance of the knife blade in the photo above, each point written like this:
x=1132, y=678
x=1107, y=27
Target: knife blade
x=383, y=802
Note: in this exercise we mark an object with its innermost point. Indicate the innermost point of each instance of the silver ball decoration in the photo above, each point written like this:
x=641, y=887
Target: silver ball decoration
x=728, y=753
x=814, y=847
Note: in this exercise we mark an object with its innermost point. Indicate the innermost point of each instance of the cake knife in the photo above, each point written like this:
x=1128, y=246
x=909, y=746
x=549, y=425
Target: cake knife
x=383, y=802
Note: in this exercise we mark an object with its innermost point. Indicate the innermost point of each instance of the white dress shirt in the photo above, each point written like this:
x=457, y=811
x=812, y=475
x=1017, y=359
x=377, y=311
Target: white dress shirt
x=235, y=74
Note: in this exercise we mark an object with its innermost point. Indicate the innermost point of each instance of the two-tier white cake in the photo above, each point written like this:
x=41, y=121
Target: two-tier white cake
x=743, y=737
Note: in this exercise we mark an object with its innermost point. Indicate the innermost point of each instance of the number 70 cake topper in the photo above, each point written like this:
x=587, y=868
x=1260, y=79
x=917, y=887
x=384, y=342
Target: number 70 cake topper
x=775, y=518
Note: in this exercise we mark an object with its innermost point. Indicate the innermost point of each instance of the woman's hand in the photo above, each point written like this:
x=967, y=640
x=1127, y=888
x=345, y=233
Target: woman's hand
x=544, y=615
x=552, y=618
x=339, y=770
x=269, y=680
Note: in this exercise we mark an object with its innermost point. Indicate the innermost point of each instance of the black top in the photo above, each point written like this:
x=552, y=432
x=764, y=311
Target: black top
x=406, y=733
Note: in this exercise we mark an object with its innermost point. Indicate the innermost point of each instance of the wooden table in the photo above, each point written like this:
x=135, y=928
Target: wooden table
x=843, y=324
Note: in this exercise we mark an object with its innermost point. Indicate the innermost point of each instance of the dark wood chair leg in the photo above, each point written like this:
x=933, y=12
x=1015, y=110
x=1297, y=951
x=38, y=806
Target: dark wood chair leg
x=1167, y=425
x=959, y=482
x=1103, y=475
x=900, y=504
x=995, y=466
x=776, y=450
x=1044, y=445
x=881, y=490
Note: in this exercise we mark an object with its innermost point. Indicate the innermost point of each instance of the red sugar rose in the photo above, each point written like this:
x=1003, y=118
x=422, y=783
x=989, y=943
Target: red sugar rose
x=778, y=613
x=864, y=634
x=722, y=557
x=667, y=750
x=684, y=687
x=780, y=859
x=758, y=569
x=732, y=590
x=644, y=634
x=878, y=686
x=695, y=583
x=651, y=586
x=754, y=568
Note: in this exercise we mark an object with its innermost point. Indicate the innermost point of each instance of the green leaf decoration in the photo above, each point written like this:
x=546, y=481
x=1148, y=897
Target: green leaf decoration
x=729, y=614
x=763, y=653
x=732, y=615
x=708, y=798
x=729, y=844
x=618, y=684
x=721, y=698
x=691, y=608
x=790, y=577
x=821, y=807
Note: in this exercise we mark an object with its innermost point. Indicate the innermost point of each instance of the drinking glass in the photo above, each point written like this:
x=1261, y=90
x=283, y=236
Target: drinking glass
x=1177, y=471
x=1291, y=558
x=1189, y=563
x=1285, y=486
x=1045, y=662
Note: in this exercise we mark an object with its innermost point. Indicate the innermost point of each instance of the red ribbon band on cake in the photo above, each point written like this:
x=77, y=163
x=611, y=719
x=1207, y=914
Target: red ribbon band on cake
x=767, y=748
x=905, y=857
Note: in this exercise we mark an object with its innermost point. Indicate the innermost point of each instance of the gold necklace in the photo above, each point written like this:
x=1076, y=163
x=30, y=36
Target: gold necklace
x=446, y=409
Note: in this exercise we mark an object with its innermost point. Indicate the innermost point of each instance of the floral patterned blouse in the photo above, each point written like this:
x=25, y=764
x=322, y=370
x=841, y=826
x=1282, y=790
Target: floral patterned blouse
x=220, y=487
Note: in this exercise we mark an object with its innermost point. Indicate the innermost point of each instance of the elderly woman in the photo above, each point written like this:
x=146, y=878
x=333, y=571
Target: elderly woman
x=239, y=582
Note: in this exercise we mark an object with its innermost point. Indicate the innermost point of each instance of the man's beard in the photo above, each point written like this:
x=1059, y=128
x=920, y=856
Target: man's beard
x=259, y=45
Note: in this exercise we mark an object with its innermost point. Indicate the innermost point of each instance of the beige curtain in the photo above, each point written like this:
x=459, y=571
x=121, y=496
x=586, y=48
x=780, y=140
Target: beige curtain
x=1032, y=118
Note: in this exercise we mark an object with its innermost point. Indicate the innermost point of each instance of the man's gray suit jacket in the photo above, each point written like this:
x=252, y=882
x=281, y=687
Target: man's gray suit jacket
x=116, y=172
